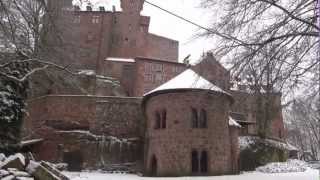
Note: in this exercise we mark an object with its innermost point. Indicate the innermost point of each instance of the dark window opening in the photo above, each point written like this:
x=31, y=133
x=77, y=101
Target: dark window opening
x=194, y=162
x=194, y=118
x=74, y=160
x=203, y=118
x=204, y=162
x=280, y=134
x=158, y=121
x=164, y=119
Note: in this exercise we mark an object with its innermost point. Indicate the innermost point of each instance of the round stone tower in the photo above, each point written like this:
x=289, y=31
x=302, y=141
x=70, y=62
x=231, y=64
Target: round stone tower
x=187, y=128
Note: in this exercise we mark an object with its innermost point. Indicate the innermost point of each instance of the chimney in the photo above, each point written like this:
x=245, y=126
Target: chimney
x=101, y=8
x=113, y=8
x=89, y=8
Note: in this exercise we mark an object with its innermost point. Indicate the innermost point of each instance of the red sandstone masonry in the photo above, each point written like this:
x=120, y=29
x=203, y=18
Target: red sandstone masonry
x=92, y=36
x=173, y=146
x=50, y=114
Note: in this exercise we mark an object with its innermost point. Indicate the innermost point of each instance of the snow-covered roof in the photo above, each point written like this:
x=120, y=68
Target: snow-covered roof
x=120, y=59
x=188, y=80
x=233, y=122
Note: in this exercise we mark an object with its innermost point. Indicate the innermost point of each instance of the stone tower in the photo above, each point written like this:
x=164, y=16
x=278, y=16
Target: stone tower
x=132, y=6
x=59, y=4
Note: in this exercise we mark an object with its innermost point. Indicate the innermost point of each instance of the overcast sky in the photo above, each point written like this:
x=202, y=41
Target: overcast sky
x=169, y=26
x=172, y=27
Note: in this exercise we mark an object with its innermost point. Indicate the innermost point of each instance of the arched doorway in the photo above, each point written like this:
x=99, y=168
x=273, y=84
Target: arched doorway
x=153, y=166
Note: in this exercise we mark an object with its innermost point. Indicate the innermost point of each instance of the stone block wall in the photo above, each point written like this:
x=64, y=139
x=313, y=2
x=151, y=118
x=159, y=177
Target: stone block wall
x=172, y=146
x=93, y=131
x=120, y=117
x=151, y=73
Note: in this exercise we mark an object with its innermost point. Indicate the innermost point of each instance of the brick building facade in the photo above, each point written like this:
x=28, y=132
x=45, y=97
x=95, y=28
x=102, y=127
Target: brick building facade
x=90, y=37
x=101, y=126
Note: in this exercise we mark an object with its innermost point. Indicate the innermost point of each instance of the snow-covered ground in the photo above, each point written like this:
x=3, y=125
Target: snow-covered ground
x=309, y=174
x=284, y=167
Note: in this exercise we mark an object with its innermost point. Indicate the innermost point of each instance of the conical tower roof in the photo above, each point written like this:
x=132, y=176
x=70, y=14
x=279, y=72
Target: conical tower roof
x=188, y=80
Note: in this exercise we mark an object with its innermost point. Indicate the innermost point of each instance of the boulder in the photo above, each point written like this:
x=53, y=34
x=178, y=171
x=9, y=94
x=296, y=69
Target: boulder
x=16, y=161
x=53, y=170
x=40, y=172
x=3, y=173
x=11, y=177
x=17, y=173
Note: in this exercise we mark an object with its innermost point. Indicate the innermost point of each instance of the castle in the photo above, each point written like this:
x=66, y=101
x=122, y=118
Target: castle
x=167, y=119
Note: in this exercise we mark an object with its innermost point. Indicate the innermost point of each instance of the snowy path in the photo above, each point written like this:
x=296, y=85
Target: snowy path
x=308, y=175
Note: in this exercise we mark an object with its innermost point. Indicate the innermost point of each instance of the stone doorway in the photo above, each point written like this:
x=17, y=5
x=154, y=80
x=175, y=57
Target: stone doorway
x=74, y=160
x=154, y=166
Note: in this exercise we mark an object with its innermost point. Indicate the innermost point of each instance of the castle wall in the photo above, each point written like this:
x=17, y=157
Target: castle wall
x=247, y=104
x=151, y=73
x=120, y=117
x=162, y=48
x=102, y=130
x=173, y=145
x=87, y=38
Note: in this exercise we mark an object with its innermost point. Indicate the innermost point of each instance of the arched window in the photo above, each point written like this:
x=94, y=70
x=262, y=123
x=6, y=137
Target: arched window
x=164, y=119
x=194, y=162
x=157, y=121
x=194, y=118
x=203, y=118
x=204, y=162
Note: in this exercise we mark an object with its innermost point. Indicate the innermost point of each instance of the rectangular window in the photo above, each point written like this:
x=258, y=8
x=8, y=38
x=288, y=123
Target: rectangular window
x=164, y=119
x=203, y=118
x=158, y=78
x=95, y=19
x=157, y=121
x=147, y=67
x=157, y=68
x=148, y=78
x=199, y=119
x=194, y=118
x=77, y=20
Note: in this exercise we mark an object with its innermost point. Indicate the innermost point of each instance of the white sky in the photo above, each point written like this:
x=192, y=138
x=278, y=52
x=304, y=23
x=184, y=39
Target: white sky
x=169, y=26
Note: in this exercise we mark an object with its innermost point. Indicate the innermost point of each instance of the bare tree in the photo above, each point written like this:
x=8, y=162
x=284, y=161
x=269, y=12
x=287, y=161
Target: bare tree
x=304, y=126
x=270, y=43
x=22, y=54
x=273, y=40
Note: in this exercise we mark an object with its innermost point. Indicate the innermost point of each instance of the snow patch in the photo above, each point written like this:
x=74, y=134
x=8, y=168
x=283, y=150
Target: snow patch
x=16, y=156
x=247, y=141
x=233, y=122
x=284, y=167
x=121, y=59
x=32, y=167
x=307, y=175
x=87, y=72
